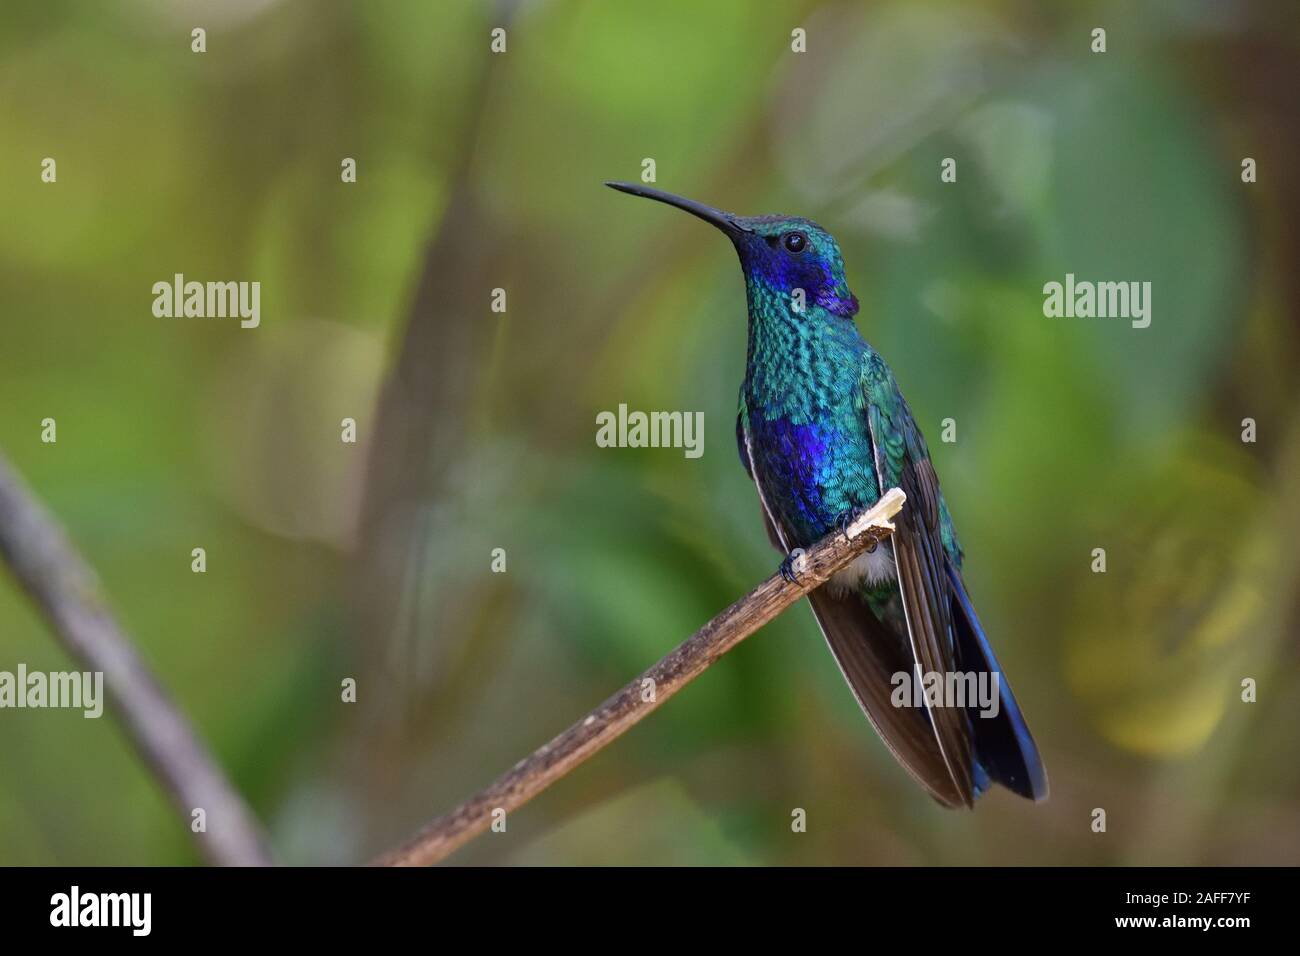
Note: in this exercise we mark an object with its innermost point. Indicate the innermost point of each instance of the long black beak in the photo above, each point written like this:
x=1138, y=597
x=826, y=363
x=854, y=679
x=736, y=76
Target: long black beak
x=723, y=220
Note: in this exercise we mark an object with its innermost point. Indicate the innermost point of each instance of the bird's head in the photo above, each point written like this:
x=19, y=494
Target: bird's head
x=780, y=255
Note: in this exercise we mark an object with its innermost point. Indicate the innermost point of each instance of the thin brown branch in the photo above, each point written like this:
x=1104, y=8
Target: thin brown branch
x=65, y=590
x=639, y=698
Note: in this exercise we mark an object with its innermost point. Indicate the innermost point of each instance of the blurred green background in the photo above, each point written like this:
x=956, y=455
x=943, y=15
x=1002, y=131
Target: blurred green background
x=477, y=171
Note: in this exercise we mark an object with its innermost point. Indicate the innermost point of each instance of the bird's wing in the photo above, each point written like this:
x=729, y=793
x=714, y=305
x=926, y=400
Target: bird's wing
x=868, y=655
x=902, y=461
x=742, y=443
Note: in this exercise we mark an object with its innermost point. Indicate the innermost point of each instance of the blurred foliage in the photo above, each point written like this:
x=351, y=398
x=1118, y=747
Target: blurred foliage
x=1073, y=434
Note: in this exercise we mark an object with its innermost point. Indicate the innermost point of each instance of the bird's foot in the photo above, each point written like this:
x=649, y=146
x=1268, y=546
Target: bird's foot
x=792, y=565
x=845, y=521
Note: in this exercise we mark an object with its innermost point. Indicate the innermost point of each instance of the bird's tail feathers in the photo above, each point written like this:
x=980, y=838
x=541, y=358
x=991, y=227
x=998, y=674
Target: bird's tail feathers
x=1004, y=748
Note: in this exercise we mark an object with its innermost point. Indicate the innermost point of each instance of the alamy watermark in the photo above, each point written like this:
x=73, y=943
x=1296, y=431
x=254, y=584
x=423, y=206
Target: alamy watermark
x=960, y=689
x=1102, y=300
x=133, y=911
x=208, y=300
x=651, y=430
x=76, y=690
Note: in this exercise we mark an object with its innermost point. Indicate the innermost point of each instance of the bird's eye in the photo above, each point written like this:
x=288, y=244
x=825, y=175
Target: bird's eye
x=794, y=242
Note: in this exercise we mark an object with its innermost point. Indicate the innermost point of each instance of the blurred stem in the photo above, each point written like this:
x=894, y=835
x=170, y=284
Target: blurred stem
x=66, y=592
x=419, y=430
x=640, y=697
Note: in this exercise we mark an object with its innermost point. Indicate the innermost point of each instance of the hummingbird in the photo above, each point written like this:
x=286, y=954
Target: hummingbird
x=823, y=431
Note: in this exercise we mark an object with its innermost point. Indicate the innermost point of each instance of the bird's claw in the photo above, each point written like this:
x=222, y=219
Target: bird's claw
x=791, y=565
x=845, y=521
